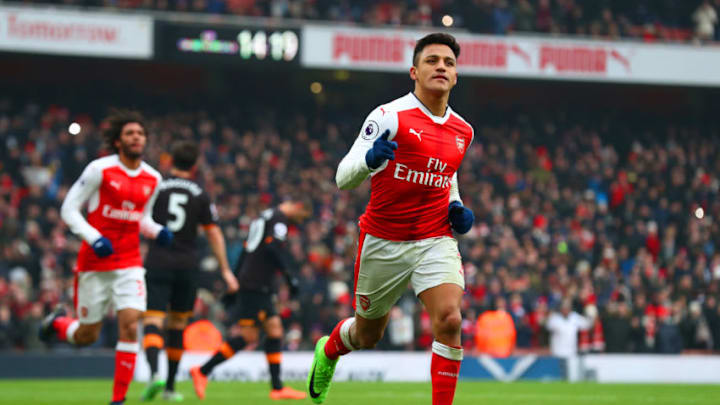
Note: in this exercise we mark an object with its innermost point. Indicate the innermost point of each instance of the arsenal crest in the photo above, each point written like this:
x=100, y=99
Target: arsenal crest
x=364, y=302
x=460, y=143
x=146, y=190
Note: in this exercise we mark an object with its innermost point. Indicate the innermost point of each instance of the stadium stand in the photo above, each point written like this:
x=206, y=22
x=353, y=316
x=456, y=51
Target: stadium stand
x=617, y=212
x=674, y=20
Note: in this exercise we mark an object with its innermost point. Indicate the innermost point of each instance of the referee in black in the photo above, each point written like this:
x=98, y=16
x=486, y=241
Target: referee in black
x=265, y=253
x=172, y=271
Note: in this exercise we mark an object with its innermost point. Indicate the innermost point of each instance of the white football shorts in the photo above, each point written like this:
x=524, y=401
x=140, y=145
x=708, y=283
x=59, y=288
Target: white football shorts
x=95, y=291
x=383, y=269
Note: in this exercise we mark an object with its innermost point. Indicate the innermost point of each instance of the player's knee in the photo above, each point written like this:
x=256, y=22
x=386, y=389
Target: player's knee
x=368, y=339
x=250, y=334
x=275, y=331
x=86, y=336
x=449, y=322
x=128, y=330
x=177, y=321
x=180, y=324
x=153, y=320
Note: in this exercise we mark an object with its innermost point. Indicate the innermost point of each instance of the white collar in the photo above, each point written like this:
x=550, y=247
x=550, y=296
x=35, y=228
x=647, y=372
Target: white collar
x=130, y=172
x=436, y=119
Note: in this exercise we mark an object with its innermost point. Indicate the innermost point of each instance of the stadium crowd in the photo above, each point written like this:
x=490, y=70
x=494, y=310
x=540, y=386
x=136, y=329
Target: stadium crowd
x=619, y=216
x=673, y=20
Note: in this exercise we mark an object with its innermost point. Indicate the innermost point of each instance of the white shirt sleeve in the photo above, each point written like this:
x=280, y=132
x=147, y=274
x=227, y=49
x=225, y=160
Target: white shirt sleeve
x=455, y=190
x=148, y=227
x=353, y=169
x=79, y=193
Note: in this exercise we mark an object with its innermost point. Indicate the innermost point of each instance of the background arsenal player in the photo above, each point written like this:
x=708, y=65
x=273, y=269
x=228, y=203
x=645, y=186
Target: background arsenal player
x=120, y=190
x=411, y=148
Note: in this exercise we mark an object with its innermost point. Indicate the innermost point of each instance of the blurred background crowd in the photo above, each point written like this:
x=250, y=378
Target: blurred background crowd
x=614, y=215
x=647, y=20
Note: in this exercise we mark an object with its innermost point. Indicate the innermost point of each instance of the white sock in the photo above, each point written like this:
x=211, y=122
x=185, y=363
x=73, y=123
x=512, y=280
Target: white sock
x=452, y=353
x=345, y=333
x=70, y=331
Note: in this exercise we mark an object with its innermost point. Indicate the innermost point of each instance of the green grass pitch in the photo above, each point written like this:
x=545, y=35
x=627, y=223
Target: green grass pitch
x=79, y=392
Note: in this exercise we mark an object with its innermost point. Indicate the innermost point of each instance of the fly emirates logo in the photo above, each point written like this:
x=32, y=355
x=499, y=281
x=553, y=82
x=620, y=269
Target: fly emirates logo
x=427, y=178
x=126, y=213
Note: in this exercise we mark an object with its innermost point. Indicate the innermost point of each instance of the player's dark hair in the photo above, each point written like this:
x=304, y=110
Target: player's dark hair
x=435, y=38
x=115, y=123
x=185, y=155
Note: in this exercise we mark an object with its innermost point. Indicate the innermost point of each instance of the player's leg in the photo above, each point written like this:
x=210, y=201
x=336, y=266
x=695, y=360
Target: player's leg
x=182, y=301
x=443, y=305
x=439, y=283
x=153, y=343
x=158, y=284
x=273, y=352
x=243, y=332
x=382, y=271
x=177, y=322
x=240, y=336
x=129, y=297
x=92, y=292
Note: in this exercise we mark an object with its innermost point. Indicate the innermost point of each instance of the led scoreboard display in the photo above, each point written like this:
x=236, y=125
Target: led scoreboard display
x=228, y=44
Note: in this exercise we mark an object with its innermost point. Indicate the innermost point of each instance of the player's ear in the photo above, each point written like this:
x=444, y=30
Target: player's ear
x=413, y=72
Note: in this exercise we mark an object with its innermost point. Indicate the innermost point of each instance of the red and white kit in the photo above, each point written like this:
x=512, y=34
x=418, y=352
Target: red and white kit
x=120, y=202
x=405, y=231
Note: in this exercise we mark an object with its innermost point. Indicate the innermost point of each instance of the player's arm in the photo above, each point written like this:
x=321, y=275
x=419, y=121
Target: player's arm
x=209, y=219
x=148, y=227
x=461, y=218
x=455, y=190
x=151, y=229
x=217, y=245
x=79, y=193
x=354, y=167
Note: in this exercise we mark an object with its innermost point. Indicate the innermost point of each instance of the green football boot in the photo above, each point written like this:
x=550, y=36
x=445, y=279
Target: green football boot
x=154, y=387
x=321, y=373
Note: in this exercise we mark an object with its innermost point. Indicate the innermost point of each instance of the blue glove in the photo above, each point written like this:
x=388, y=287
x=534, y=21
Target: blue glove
x=381, y=151
x=102, y=247
x=461, y=218
x=164, y=237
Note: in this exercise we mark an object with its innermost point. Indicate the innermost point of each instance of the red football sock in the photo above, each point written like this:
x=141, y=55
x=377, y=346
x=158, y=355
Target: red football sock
x=125, y=354
x=444, y=369
x=339, y=342
x=65, y=328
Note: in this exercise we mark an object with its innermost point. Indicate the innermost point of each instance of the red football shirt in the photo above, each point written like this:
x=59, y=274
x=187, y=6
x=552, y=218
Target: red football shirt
x=120, y=204
x=410, y=194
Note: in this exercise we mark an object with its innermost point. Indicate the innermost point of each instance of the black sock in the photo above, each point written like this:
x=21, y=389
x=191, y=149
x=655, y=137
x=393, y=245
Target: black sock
x=273, y=351
x=153, y=342
x=174, y=350
x=227, y=350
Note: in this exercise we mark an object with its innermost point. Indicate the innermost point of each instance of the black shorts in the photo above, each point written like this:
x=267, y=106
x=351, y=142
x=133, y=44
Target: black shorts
x=252, y=308
x=171, y=290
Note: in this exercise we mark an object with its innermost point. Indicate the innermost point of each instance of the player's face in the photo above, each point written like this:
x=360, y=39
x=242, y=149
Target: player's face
x=436, y=68
x=132, y=140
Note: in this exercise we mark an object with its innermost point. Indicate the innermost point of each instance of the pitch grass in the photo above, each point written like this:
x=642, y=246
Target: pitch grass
x=80, y=392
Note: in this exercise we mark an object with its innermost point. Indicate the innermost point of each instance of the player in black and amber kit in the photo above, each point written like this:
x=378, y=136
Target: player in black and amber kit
x=172, y=271
x=253, y=306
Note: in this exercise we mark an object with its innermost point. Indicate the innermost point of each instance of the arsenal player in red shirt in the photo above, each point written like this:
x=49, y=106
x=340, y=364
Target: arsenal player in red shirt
x=411, y=149
x=120, y=190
